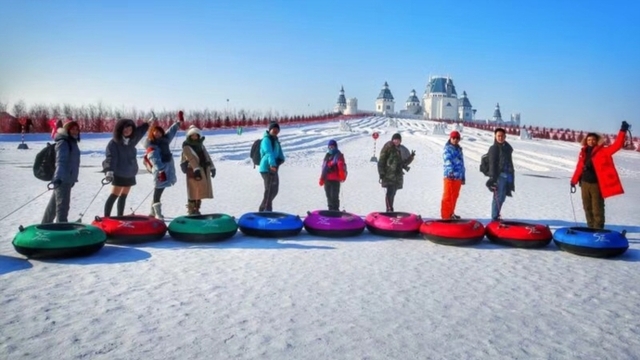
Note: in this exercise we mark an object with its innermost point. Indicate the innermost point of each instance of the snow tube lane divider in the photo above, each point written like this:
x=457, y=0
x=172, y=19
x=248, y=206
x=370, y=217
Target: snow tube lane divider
x=270, y=224
x=459, y=232
x=333, y=223
x=394, y=224
x=59, y=240
x=519, y=234
x=585, y=241
x=203, y=228
x=131, y=229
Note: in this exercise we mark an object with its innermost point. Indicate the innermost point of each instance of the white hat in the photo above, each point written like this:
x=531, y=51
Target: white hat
x=193, y=130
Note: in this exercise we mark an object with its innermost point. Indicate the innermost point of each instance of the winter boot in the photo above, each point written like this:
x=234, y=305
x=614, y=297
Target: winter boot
x=197, y=209
x=191, y=207
x=152, y=212
x=157, y=209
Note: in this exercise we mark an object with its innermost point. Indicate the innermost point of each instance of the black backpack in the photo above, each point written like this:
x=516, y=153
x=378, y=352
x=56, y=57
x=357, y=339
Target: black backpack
x=44, y=166
x=255, y=153
x=484, y=164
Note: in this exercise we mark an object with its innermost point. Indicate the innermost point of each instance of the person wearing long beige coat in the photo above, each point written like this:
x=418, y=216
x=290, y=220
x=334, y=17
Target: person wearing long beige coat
x=200, y=170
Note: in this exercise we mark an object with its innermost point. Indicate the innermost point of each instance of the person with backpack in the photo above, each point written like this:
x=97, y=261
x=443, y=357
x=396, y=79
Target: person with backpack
x=391, y=164
x=67, y=168
x=160, y=161
x=596, y=173
x=200, y=170
x=454, y=176
x=334, y=172
x=271, y=157
x=121, y=165
x=501, y=172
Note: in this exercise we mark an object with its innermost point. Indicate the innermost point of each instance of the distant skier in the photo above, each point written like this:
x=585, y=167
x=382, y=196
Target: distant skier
x=501, y=172
x=334, y=172
x=454, y=176
x=596, y=173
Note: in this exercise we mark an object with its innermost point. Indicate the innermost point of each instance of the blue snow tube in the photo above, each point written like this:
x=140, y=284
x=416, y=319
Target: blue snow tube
x=270, y=224
x=586, y=241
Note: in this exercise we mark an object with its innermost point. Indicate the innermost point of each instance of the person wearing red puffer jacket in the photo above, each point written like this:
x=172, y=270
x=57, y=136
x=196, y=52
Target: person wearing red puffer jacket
x=334, y=172
x=596, y=173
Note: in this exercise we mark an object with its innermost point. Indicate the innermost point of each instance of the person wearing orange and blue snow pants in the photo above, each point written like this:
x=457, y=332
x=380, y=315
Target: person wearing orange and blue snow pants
x=454, y=176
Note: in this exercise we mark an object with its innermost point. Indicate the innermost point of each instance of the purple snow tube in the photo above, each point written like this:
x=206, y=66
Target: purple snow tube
x=333, y=223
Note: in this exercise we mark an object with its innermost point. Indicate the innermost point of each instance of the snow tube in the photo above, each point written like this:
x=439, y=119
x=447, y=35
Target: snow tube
x=58, y=240
x=333, y=223
x=131, y=229
x=591, y=242
x=458, y=232
x=270, y=224
x=396, y=224
x=519, y=234
x=203, y=228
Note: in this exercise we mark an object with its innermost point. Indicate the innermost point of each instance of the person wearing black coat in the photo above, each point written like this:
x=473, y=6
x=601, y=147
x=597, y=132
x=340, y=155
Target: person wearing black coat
x=501, y=173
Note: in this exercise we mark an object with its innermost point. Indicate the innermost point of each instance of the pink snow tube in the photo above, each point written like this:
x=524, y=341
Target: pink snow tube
x=333, y=223
x=395, y=224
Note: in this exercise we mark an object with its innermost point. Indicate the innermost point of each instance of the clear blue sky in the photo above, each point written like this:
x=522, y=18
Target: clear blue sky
x=559, y=63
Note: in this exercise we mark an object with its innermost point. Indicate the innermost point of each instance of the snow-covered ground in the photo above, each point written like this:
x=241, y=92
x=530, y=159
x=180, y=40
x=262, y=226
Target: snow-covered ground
x=308, y=297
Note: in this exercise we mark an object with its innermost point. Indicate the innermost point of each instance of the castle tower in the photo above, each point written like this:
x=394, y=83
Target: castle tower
x=465, y=110
x=413, y=104
x=440, y=99
x=385, y=102
x=497, y=116
x=341, y=105
x=352, y=107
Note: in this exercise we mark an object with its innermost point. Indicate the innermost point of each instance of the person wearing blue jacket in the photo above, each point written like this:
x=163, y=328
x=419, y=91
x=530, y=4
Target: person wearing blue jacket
x=163, y=168
x=453, y=176
x=121, y=163
x=271, y=157
x=66, y=173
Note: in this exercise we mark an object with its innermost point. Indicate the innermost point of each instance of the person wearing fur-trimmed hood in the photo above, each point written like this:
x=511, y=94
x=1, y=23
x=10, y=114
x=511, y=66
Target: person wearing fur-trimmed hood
x=163, y=167
x=200, y=170
x=121, y=162
x=66, y=173
x=596, y=173
x=334, y=172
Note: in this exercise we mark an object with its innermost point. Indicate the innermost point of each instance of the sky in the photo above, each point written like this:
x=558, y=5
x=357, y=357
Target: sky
x=557, y=63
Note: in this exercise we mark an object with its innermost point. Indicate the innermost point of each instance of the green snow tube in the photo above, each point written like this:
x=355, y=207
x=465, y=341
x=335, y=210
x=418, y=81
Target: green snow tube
x=203, y=228
x=59, y=240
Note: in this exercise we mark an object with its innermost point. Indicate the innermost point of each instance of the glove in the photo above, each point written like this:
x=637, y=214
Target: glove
x=492, y=185
x=55, y=184
x=152, y=118
x=180, y=116
x=197, y=174
x=273, y=169
x=321, y=182
x=109, y=176
x=213, y=172
x=573, y=188
x=625, y=126
x=463, y=181
x=162, y=176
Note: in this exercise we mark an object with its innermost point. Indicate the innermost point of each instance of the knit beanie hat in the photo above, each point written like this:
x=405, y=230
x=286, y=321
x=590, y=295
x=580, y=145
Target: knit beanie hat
x=454, y=134
x=333, y=143
x=274, y=125
x=193, y=130
x=396, y=136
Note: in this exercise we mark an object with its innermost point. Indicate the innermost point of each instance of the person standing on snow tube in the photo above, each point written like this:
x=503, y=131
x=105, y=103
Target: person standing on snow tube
x=501, y=172
x=271, y=157
x=121, y=164
x=66, y=173
x=200, y=170
x=596, y=173
x=390, y=166
x=454, y=178
x=334, y=172
x=163, y=168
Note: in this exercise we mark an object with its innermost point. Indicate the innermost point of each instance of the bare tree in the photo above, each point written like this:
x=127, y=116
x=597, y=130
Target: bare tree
x=4, y=106
x=19, y=109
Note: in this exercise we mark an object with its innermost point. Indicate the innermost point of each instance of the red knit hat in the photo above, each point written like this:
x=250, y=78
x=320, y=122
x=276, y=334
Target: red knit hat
x=454, y=135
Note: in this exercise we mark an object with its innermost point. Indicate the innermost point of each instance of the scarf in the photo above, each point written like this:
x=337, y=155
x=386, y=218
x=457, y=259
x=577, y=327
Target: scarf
x=198, y=148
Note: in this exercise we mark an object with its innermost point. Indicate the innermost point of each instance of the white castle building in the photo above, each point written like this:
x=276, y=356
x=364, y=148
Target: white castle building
x=440, y=101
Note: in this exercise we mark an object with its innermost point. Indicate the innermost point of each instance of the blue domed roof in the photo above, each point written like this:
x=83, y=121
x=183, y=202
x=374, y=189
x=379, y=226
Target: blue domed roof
x=440, y=85
x=413, y=98
x=465, y=101
x=385, y=93
x=496, y=113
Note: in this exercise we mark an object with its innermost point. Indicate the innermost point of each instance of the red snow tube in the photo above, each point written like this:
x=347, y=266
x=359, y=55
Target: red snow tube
x=519, y=234
x=132, y=229
x=396, y=224
x=460, y=232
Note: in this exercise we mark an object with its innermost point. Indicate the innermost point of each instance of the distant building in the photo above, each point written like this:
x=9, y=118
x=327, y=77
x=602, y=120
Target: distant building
x=341, y=105
x=440, y=100
x=412, y=105
x=352, y=107
x=465, y=110
x=385, y=102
